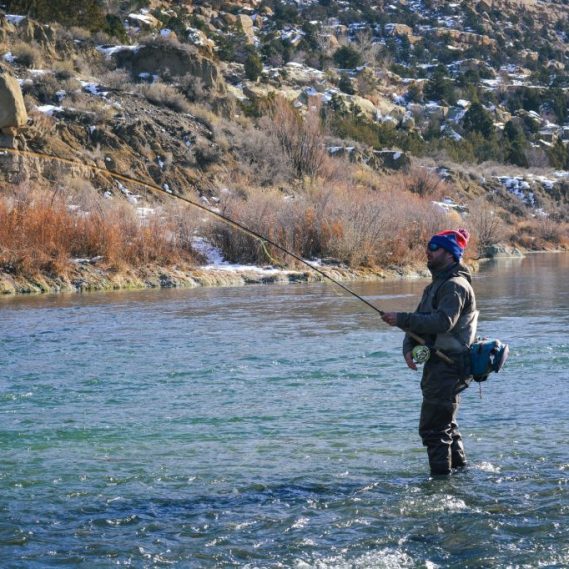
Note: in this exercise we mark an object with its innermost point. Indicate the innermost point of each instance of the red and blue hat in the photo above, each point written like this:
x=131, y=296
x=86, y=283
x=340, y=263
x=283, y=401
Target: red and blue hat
x=452, y=241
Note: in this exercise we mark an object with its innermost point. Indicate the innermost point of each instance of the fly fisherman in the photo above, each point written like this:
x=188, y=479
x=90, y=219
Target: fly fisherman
x=446, y=318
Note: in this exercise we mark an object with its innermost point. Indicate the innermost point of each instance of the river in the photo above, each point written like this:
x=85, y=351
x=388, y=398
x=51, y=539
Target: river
x=276, y=427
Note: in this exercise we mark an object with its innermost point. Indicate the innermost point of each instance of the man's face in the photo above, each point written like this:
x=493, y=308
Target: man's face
x=439, y=259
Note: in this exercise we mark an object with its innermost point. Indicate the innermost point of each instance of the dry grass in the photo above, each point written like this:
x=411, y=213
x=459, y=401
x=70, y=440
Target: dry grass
x=541, y=234
x=28, y=54
x=41, y=233
x=99, y=111
x=165, y=95
x=40, y=127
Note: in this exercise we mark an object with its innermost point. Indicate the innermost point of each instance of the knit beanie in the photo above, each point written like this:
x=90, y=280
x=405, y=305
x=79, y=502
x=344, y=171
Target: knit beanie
x=452, y=241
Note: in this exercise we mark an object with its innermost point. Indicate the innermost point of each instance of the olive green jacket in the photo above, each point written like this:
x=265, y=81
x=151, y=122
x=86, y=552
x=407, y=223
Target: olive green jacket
x=446, y=316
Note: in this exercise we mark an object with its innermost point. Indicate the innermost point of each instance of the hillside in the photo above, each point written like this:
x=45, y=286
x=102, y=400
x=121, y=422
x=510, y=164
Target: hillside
x=346, y=131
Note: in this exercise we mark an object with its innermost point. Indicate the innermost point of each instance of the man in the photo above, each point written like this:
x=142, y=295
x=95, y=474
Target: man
x=446, y=318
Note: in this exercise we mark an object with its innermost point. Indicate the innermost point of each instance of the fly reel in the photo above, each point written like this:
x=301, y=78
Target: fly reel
x=421, y=354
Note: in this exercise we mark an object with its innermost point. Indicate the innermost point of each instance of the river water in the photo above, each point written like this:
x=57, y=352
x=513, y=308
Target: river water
x=276, y=427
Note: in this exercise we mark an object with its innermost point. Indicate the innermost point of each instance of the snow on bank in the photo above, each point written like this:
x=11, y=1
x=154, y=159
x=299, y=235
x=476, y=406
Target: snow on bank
x=216, y=261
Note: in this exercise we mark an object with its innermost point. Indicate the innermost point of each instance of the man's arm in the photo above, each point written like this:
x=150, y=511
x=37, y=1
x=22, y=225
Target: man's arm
x=408, y=343
x=443, y=319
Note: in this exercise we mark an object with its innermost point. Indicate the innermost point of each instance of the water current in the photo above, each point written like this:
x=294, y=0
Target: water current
x=276, y=427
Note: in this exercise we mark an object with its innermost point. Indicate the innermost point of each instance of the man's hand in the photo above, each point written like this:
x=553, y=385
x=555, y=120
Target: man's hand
x=409, y=361
x=390, y=318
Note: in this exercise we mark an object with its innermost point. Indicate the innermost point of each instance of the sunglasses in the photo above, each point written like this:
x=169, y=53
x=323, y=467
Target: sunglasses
x=433, y=247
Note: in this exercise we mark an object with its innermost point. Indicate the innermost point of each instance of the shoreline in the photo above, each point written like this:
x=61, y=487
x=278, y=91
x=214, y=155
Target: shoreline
x=87, y=276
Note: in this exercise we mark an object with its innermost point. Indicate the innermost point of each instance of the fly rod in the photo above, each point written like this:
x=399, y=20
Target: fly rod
x=217, y=215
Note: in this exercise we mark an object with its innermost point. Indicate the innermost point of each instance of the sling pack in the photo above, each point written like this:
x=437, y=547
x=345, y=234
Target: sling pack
x=487, y=356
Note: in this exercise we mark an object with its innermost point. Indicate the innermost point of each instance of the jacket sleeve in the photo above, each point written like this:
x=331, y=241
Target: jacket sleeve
x=408, y=344
x=451, y=301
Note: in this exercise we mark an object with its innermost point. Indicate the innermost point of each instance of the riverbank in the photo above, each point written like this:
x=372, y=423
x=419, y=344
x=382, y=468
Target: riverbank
x=87, y=276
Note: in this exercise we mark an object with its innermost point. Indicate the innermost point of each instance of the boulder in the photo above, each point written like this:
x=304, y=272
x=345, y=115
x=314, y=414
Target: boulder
x=392, y=160
x=144, y=21
x=499, y=250
x=247, y=26
x=13, y=113
x=229, y=19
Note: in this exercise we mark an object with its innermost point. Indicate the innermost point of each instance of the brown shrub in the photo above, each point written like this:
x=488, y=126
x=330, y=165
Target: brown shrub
x=28, y=54
x=541, y=234
x=357, y=226
x=165, y=95
x=97, y=108
x=424, y=183
x=117, y=80
x=261, y=158
x=40, y=233
x=43, y=88
x=485, y=224
x=64, y=70
x=300, y=138
x=40, y=126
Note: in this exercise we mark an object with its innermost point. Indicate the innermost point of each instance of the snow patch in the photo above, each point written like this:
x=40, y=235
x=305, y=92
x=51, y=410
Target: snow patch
x=110, y=50
x=49, y=109
x=519, y=187
x=93, y=88
x=216, y=261
x=15, y=19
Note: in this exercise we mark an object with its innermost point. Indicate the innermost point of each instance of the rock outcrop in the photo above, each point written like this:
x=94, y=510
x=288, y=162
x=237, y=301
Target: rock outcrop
x=178, y=61
x=13, y=113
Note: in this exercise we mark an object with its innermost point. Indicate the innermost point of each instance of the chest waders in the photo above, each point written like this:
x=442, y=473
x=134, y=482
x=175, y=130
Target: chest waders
x=441, y=384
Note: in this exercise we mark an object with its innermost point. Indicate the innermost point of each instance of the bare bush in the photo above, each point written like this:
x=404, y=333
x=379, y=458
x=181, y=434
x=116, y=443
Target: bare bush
x=193, y=87
x=64, y=70
x=424, y=183
x=485, y=224
x=28, y=54
x=357, y=226
x=367, y=47
x=261, y=157
x=43, y=88
x=537, y=157
x=40, y=126
x=165, y=95
x=117, y=80
x=382, y=229
x=206, y=153
x=541, y=233
x=550, y=231
x=300, y=139
x=99, y=110
x=80, y=34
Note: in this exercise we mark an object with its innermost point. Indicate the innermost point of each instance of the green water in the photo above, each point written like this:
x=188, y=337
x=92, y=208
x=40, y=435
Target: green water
x=276, y=427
